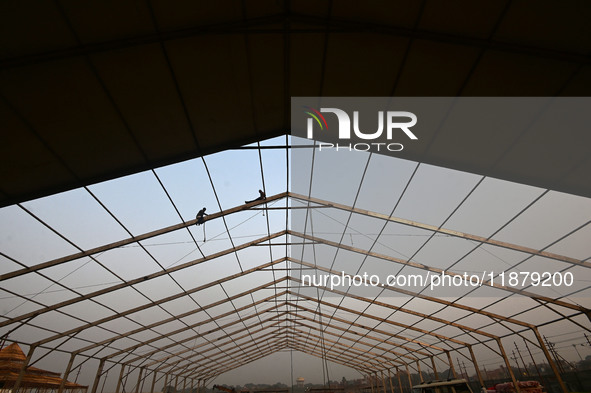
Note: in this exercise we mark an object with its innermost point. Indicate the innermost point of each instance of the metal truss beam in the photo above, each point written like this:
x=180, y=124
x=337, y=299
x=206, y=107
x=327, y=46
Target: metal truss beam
x=135, y=239
x=421, y=266
x=444, y=231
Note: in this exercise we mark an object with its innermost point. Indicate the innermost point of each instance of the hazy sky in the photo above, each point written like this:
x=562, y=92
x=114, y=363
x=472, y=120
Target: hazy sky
x=377, y=183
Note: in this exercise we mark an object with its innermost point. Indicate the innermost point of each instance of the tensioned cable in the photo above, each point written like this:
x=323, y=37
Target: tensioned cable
x=45, y=290
x=191, y=234
x=288, y=265
x=322, y=341
x=306, y=217
x=224, y=221
x=267, y=218
x=65, y=287
x=414, y=254
x=86, y=321
x=506, y=224
x=446, y=306
x=251, y=87
x=392, y=212
x=321, y=86
x=177, y=211
x=319, y=296
x=514, y=332
x=157, y=262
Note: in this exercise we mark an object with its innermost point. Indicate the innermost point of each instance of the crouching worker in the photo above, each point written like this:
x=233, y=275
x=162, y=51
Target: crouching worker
x=261, y=197
x=200, y=217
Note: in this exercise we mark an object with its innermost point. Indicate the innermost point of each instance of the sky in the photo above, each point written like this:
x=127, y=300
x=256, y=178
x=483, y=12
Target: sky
x=58, y=225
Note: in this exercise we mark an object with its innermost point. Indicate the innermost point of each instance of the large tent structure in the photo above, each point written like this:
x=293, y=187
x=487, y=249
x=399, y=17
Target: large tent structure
x=120, y=120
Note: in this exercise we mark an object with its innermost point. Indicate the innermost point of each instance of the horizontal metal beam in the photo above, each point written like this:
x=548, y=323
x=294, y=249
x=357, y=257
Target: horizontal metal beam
x=139, y=280
x=178, y=317
x=363, y=354
x=435, y=270
x=307, y=24
x=386, y=305
x=444, y=231
x=227, y=339
x=356, y=334
x=134, y=239
x=200, y=323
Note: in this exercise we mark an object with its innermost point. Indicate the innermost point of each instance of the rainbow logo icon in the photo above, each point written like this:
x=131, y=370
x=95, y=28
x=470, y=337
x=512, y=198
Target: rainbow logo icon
x=316, y=115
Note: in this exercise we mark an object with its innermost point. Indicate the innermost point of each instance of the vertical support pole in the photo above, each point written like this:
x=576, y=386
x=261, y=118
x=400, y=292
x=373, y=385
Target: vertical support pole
x=399, y=380
x=409, y=378
x=451, y=365
x=390, y=380
x=165, y=387
x=139, y=380
x=370, y=382
x=509, y=369
x=99, y=372
x=67, y=373
x=383, y=381
x=184, y=383
x=420, y=373
x=434, y=367
x=21, y=373
x=475, y=363
x=176, y=383
x=153, y=382
x=550, y=361
x=120, y=378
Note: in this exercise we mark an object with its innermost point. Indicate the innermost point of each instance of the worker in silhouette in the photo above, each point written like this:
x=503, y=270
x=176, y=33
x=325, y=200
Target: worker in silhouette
x=200, y=216
x=261, y=197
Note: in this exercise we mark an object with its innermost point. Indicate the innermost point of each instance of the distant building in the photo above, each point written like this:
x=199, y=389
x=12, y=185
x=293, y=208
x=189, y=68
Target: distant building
x=300, y=382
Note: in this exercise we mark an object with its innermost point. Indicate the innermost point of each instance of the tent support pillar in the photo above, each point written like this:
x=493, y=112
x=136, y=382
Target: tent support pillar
x=434, y=367
x=67, y=373
x=409, y=378
x=139, y=380
x=399, y=380
x=120, y=379
x=99, y=372
x=153, y=382
x=509, y=368
x=21, y=373
x=451, y=365
x=476, y=366
x=550, y=360
x=390, y=380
